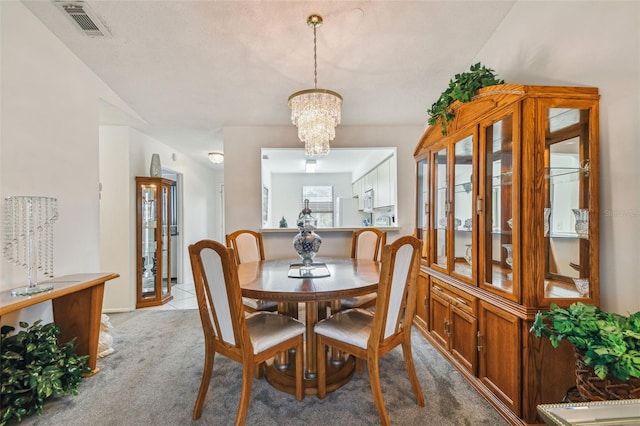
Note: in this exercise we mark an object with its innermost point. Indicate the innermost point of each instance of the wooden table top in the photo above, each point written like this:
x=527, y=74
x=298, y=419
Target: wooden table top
x=269, y=280
x=62, y=286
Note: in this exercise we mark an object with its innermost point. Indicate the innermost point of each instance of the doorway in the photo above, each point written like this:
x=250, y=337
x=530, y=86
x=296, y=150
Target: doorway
x=176, y=225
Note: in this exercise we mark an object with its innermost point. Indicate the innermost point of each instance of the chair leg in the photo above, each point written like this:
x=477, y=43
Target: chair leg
x=336, y=355
x=204, y=383
x=321, y=357
x=411, y=371
x=245, y=395
x=376, y=390
x=259, y=369
x=299, y=370
x=360, y=366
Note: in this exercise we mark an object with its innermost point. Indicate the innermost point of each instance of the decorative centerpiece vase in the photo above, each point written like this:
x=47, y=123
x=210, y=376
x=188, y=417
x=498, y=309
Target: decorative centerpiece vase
x=509, y=259
x=582, y=222
x=582, y=285
x=155, y=170
x=468, y=254
x=306, y=242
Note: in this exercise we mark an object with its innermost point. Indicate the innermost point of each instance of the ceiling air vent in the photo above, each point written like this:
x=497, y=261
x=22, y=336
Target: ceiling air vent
x=80, y=13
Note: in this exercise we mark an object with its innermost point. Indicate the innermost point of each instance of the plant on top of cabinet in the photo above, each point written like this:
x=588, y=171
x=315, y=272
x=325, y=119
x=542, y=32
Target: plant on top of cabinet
x=462, y=89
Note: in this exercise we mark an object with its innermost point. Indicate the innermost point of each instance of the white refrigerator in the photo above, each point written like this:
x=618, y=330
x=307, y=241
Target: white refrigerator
x=346, y=212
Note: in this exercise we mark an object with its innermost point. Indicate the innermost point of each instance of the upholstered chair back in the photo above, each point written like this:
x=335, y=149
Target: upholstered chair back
x=367, y=243
x=247, y=245
x=395, y=303
x=218, y=291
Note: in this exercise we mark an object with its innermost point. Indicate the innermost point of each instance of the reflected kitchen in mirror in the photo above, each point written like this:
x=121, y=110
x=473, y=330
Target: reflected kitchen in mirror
x=349, y=188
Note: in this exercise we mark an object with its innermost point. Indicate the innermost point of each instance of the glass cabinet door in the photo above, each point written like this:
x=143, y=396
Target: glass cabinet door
x=566, y=210
x=498, y=195
x=165, y=240
x=423, y=206
x=149, y=243
x=441, y=204
x=463, y=207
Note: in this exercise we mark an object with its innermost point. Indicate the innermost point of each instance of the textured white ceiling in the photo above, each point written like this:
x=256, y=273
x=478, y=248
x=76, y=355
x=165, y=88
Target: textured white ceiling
x=188, y=68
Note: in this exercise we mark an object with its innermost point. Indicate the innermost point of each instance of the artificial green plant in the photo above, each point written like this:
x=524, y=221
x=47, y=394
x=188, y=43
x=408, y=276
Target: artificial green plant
x=34, y=366
x=461, y=88
x=610, y=341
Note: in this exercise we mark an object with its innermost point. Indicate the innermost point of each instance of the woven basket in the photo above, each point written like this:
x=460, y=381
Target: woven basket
x=593, y=388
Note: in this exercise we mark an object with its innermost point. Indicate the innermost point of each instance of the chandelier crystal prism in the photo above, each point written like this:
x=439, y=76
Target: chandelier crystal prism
x=316, y=112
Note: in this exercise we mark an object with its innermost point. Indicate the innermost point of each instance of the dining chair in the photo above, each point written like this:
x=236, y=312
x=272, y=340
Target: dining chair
x=369, y=335
x=248, y=247
x=366, y=243
x=250, y=340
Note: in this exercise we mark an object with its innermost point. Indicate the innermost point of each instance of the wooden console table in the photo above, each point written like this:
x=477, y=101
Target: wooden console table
x=77, y=308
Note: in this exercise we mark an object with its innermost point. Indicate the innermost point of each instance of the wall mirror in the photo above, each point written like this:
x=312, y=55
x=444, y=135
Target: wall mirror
x=349, y=188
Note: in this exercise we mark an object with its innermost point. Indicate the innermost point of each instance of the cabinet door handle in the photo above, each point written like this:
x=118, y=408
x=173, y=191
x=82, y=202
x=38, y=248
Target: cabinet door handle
x=446, y=327
x=479, y=341
x=435, y=287
x=464, y=302
x=479, y=205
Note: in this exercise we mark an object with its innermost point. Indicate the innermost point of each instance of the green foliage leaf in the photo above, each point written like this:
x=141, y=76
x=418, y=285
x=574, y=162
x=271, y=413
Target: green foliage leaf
x=611, y=341
x=601, y=371
x=35, y=367
x=462, y=88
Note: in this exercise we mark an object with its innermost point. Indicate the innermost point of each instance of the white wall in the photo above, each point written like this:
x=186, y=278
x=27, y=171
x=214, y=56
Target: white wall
x=50, y=146
x=127, y=154
x=244, y=193
x=117, y=253
x=49, y=139
x=599, y=47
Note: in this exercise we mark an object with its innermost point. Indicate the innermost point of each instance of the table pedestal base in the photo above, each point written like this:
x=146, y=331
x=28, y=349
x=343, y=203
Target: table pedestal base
x=285, y=380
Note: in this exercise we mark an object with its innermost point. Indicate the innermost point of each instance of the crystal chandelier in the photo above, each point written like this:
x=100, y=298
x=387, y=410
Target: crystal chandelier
x=315, y=111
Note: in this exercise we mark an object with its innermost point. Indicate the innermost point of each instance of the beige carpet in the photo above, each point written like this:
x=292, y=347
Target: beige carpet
x=152, y=378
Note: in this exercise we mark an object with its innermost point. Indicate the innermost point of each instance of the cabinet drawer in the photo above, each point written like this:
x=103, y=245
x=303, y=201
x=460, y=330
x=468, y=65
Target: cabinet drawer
x=455, y=297
x=438, y=288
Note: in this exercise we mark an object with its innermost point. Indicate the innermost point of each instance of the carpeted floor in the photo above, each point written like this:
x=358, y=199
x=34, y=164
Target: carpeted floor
x=152, y=378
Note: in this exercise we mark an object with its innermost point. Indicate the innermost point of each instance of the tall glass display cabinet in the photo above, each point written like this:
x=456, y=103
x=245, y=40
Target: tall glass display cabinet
x=153, y=206
x=507, y=208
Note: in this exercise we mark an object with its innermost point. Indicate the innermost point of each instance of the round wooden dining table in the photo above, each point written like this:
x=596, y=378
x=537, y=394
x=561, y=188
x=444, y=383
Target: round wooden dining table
x=282, y=281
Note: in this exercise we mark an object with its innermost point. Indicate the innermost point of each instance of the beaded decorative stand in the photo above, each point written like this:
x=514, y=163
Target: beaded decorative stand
x=28, y=238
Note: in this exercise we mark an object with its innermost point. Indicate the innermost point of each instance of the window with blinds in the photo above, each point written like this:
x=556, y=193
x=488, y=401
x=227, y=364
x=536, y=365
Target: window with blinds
x=320, y=202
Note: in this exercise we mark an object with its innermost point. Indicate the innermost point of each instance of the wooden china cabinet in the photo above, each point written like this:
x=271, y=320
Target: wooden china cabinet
x=508, y=214
x=153, y=207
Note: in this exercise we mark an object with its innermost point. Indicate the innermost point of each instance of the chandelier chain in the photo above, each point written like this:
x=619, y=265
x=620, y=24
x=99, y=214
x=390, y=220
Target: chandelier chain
x=315, y=59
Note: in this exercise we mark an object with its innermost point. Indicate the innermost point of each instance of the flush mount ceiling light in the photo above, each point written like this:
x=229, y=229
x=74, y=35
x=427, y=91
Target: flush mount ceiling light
x=315, y=111
x=216, y=157
x=310, y=166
